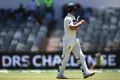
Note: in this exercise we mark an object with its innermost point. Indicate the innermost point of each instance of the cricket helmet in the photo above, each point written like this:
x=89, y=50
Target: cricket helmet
x=71, y=7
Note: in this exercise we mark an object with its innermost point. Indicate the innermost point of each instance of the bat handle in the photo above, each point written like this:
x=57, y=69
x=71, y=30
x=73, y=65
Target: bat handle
x=78, y=18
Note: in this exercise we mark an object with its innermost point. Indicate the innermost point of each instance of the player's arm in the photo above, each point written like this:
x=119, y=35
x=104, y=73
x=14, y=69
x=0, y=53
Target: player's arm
x=75, y=25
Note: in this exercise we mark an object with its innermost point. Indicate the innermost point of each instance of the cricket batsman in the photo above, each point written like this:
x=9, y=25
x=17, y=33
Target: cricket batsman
x=71, y=44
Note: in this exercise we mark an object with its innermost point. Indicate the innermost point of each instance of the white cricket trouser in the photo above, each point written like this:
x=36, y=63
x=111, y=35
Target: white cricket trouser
x=72, y=45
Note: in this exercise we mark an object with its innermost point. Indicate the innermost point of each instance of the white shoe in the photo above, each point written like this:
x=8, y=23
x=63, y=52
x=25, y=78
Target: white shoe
x=89, y=74
x=61, y=77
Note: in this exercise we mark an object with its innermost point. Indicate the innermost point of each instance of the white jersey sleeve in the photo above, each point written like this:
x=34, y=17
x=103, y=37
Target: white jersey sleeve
x=68, y=21
x=68, y=32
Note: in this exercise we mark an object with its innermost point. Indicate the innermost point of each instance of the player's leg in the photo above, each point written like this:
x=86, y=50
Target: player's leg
x=65, y=58
x=77, y=52
x=63, y=64
x=81, y=59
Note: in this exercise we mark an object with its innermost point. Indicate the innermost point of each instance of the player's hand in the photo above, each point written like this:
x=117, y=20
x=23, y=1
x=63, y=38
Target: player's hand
x=83, y=21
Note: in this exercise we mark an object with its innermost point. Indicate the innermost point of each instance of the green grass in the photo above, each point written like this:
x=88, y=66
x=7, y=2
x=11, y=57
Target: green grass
x=51, y=75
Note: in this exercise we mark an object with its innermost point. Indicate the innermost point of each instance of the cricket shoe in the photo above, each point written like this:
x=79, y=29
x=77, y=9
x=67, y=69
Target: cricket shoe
x=88, y=74
x=61, y=77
